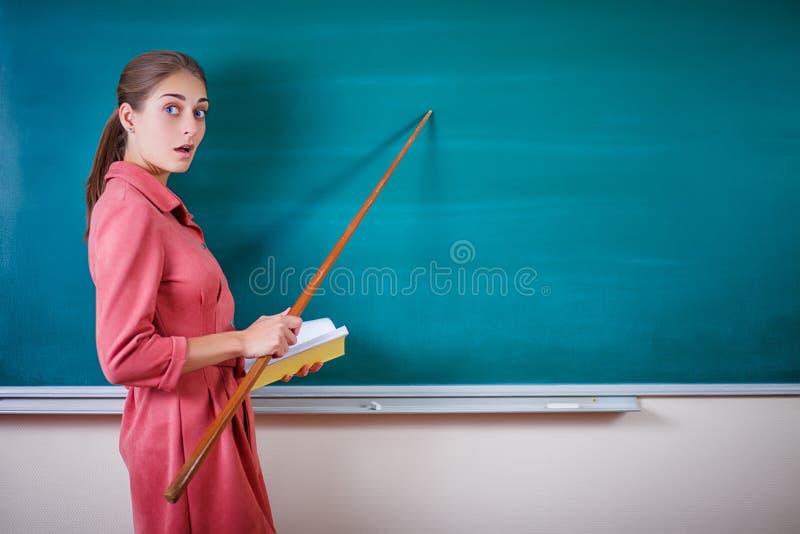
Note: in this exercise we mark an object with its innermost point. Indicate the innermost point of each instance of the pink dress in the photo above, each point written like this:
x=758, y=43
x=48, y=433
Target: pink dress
x=157, y=284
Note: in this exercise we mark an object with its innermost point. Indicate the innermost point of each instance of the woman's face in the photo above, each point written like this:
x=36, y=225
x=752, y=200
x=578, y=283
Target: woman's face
x=169, y=126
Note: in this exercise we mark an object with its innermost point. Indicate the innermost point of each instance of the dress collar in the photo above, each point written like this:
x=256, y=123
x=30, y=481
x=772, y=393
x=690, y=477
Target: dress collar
x=147, y=184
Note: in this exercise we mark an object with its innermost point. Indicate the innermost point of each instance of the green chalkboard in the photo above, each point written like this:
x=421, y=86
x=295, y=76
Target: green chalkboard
x=608, y=192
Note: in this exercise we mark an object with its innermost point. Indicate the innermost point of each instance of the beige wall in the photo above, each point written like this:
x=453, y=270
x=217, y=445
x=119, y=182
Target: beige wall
x=681, y=465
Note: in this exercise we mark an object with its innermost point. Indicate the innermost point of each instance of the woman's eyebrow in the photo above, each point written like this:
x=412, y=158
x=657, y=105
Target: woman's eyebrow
x=181, y=97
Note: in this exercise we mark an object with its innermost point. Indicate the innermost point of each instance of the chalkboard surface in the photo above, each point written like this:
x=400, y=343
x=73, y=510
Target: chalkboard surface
x=607, y=193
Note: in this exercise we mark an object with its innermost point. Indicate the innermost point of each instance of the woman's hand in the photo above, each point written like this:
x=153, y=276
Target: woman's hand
x=304, y=371
x=271, y=335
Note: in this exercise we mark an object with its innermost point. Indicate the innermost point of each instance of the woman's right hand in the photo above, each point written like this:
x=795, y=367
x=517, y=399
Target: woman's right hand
x=271, y=335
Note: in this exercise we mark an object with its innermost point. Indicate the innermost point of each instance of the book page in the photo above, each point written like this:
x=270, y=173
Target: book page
x=312, y=329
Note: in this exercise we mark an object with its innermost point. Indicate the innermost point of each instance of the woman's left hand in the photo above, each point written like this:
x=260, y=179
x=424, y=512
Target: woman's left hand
x=304, y=371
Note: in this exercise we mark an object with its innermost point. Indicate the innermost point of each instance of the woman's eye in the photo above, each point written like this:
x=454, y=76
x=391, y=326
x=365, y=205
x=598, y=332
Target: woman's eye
x=200, y=113
x=172, y=110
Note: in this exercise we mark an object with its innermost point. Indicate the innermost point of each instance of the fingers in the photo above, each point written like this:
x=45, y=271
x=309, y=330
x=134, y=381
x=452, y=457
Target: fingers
x=291, y=338
x=274, y=334
x=292, y=321
x=281, y=347
x=304, y=371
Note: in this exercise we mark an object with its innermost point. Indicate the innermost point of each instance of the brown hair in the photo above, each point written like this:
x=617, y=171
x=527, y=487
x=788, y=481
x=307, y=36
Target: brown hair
x=138, y=79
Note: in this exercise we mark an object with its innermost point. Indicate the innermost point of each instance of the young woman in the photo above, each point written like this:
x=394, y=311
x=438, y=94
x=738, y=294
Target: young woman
x=165, y=313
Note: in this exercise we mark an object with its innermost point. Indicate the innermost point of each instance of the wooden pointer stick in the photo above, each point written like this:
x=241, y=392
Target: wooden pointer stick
x=213, y=432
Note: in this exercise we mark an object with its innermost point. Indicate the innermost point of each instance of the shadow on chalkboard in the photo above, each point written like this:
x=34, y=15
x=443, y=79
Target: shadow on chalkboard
x=432, y=192
x=248, y=250
x=336, y=181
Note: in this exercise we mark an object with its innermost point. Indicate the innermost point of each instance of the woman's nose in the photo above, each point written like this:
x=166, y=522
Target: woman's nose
x=189, y=127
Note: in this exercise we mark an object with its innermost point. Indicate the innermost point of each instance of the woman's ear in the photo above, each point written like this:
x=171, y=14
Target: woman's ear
x=126, y=117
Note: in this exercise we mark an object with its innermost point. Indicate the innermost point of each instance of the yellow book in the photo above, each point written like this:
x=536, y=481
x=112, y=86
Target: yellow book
x=318, y=341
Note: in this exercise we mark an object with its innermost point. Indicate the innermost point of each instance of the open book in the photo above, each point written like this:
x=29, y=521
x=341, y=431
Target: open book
x=318, y=341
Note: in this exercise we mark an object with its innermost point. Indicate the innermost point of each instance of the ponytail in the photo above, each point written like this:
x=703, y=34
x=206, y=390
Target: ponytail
x=110, y=149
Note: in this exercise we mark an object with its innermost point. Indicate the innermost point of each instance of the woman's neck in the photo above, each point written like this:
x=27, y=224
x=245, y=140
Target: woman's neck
x=159, y=174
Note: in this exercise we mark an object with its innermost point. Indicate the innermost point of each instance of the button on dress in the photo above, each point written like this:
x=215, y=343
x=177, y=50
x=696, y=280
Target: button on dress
x=157, y=284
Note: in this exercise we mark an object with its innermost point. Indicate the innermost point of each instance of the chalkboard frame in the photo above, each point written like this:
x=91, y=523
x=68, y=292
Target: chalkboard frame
x=292, y=399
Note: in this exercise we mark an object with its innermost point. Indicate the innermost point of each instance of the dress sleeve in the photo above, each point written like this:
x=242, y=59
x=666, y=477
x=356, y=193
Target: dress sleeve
x=126, y=261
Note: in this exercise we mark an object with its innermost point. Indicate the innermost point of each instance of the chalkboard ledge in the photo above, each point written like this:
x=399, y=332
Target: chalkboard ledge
x=395, y=399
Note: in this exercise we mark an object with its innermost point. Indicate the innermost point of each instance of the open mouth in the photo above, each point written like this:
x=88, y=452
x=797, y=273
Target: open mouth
x=184, y=149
